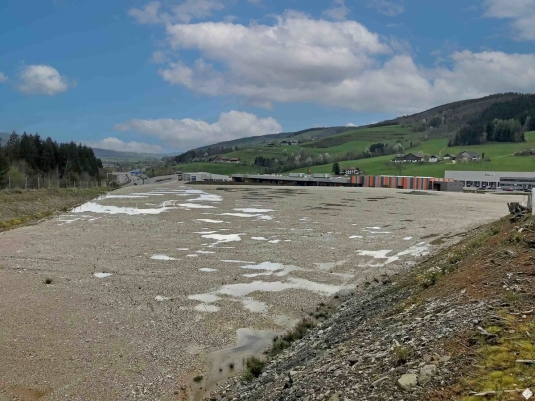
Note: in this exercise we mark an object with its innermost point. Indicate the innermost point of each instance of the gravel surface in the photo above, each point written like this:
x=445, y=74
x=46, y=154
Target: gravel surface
x=186, y=267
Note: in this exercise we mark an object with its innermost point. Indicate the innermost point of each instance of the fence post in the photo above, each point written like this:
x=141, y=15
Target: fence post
x=9, y=183
x=38, y=183
x=26, y=183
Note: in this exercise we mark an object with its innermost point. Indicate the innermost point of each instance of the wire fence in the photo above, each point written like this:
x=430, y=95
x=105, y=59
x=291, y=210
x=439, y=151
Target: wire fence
x=40, y=183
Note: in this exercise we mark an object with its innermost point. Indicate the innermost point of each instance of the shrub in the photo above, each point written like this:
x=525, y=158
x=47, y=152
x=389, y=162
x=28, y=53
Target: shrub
x=198, y=379
x=253, y=368
x=401, y=355
x=298, y=332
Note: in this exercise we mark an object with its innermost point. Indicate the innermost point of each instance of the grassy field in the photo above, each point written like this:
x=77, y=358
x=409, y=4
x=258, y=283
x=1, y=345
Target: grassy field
x=19, y=206
x=501, y=159
x=336, y=145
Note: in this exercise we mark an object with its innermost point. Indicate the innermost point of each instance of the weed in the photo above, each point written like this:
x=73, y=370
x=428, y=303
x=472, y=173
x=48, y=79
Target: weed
x=198, y=379
x=430, y=279
x=298, y=332
x=253, y=368
x=231, y=365
x=516, y=237
x=495, y=230
x=401, y=355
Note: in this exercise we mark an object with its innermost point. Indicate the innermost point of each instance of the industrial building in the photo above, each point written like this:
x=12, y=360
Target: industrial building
x=506, y=180
x=383, y=181
x=202, y=176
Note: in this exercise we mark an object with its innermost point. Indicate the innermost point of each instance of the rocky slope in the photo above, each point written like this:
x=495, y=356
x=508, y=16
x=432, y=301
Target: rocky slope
x=460, y=326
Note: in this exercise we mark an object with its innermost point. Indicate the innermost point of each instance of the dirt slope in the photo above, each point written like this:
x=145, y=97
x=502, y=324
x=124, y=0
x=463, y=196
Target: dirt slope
x=460, y=326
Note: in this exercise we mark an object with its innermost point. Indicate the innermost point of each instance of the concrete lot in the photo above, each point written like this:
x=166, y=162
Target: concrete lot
x=146, y=282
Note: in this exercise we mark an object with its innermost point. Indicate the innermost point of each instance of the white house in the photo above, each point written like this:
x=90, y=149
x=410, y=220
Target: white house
x=435, y=159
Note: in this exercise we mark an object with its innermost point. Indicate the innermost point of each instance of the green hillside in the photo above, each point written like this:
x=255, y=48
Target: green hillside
x=501, y=157
x=494, y=125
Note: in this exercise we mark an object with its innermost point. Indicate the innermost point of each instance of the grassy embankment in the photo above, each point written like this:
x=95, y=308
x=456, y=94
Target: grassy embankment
x=494, y=264
x=18, y=207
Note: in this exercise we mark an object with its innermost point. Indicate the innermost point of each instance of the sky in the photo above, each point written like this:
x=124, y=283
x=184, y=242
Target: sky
x=170, y=75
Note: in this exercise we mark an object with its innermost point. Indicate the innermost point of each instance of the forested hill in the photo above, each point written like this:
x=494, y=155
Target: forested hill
x=31, y=155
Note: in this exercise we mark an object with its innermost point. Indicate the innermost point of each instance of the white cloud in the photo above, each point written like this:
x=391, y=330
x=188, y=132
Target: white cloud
x=147, y=15
x=42, y=80
x=350, y=125
x=184, y=12
x=3, y=77
x=386, y=7
x=298, y=59
x=520, y=12
x=338, y=11
x=159, y=57
x=112, y=143
x=188, y=133
x=190, y=9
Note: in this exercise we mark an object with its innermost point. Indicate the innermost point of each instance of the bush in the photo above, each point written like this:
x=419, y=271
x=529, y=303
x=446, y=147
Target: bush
x=401, y=355
x=198, y=379
x=298, y=332
x=253, y=368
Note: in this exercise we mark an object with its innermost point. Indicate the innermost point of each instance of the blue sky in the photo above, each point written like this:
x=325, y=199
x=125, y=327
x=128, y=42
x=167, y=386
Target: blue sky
x=166, y=76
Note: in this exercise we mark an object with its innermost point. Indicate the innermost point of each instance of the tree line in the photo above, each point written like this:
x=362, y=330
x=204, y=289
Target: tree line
x=31, y=155
x=501, y=122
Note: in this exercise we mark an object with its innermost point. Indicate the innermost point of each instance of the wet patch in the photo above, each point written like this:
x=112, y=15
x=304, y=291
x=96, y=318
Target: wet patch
x=211, y=221
x=102, y=275
x=162, y=257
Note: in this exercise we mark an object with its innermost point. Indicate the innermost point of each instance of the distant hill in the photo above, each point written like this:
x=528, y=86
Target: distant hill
x=438, y=122
x=494, y=122
x=106, y=154
x=4, y=136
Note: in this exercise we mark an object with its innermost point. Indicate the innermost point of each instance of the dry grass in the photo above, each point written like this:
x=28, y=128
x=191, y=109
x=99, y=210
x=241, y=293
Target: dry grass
x=18, y=206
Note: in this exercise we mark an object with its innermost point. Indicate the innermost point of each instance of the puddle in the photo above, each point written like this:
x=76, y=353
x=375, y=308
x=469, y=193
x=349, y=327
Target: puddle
x=235, y=261
x=193, y=255
x=207, y=198
x=205, y=252
x=162, y=257
x=249, y=342
x=250, y=210
x=94, y=207
x=132, y=196
x=188, y=205
x=356, y=236
x=407, y=238
x=254, y=306
x=243, y=289
x=274, y=241
x=211, y=221
x=259, y=238
x=258, y=216
x=101, y=275
x=207, y=270
x=161, y=298
x=205, y=232
x=222, y=238
x=421, y=249
x=271, y=268
x=182, y=249
x=373, y=228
